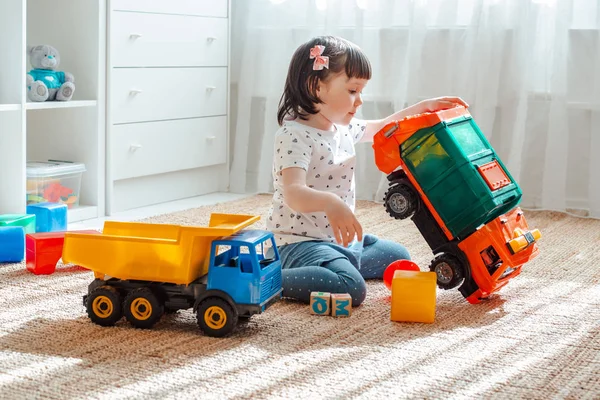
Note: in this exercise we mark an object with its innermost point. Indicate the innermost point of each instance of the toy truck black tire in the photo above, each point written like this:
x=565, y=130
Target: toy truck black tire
x=142, y=308
x=450, y=271
x=216, y=317
x=103, y=305
x=401, y=201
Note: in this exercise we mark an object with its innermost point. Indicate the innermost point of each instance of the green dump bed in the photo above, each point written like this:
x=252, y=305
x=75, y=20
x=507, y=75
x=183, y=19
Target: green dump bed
x=460, y=173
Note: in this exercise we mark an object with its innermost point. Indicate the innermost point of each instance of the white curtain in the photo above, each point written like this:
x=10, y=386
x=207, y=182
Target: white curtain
x=530, y=69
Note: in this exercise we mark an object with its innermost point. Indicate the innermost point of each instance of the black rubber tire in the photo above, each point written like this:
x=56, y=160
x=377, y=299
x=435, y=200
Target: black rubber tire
x=216, y=317
x=103, y=306
x=450, y=271
x=142, y=308
x=401, y=201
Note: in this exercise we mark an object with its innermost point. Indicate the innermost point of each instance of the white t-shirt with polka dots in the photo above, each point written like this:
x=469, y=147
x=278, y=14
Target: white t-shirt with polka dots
x=329, y=159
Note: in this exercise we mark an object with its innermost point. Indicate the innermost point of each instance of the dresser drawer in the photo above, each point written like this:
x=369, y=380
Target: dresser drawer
x=157, y=147
x=159, y=40
x=208, y=8
x=154, y=189
x=149, y=94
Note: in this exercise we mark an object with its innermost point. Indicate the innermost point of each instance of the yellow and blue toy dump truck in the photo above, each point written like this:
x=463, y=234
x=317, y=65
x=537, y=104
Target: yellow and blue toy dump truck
x=142, y=270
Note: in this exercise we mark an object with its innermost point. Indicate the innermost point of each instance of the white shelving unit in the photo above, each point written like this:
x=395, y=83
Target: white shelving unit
x=73, y=130
x=60, y=104
x=10, y=107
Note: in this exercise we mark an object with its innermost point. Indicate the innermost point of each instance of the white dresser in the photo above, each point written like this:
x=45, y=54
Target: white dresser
x=167, y=91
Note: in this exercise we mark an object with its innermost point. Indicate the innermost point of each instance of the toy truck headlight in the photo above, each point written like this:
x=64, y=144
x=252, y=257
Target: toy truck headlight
x=523, y=240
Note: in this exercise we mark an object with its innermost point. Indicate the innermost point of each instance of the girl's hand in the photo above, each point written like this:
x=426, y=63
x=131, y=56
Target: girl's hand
x=343, y=222
x=440, y=103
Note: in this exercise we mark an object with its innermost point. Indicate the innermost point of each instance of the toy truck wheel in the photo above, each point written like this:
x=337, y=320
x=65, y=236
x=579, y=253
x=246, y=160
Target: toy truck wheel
x=216, y=317
x=104, y=306
x=142, y=308
x=449, y=270
x=401, y=201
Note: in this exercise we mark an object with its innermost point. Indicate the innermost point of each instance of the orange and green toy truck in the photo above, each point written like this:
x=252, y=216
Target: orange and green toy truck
x=444, y=174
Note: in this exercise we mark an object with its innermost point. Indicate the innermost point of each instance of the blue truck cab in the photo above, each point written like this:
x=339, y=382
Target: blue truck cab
x=239, y=267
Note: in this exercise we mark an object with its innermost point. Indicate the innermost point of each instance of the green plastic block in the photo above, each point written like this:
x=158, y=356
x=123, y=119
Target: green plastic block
x=27, y=221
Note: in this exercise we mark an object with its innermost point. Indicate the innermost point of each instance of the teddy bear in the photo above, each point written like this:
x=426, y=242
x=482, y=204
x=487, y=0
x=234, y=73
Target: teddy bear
x=44, y=82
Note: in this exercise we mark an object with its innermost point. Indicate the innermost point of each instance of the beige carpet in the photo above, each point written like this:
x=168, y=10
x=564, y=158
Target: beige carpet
x=539, y=339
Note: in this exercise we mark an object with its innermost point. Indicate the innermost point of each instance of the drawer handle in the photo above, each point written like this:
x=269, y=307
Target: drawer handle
x=210, y=88
x=135, y=36
x=133, y=92
x=134, y=147
x=211, y=39
x=211, y=138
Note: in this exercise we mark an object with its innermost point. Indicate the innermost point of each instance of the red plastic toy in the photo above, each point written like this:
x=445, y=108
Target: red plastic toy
x=399, y=265
x=43, y=250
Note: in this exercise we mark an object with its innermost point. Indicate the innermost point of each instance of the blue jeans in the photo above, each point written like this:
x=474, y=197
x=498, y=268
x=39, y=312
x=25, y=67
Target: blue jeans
x=317, y=266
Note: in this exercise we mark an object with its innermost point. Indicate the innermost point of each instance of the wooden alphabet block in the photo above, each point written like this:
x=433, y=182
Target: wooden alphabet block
x=320, y=303
x=341, y=305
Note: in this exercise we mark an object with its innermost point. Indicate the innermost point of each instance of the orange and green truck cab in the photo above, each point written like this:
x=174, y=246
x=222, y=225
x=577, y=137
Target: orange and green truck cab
x=496, y=252
x=143, y=270
x=446, y=176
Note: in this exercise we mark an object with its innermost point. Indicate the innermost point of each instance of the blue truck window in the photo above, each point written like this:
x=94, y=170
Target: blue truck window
x=265, y=253
x=220, y=249
x=227, y=256
x=245, y=259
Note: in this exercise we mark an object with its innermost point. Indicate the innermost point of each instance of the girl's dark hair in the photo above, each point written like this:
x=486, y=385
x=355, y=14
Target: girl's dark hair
x=299, y=95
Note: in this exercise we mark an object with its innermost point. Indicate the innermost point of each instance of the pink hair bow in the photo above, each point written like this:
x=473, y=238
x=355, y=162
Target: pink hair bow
x=320, y=61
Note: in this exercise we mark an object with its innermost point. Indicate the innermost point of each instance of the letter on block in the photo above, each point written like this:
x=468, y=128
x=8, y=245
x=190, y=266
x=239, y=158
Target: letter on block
x=413, y=296
x=320, y=303
x=341, y=305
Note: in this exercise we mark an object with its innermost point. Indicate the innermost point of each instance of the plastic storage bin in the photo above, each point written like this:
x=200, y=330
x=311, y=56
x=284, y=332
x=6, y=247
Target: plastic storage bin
x=54, y=181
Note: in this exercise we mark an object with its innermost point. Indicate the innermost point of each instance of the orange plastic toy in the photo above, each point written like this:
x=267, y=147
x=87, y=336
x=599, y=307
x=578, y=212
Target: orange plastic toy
x=413, y=296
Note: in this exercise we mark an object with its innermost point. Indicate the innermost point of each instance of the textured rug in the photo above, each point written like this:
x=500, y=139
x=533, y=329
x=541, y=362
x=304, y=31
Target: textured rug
x=538, y=339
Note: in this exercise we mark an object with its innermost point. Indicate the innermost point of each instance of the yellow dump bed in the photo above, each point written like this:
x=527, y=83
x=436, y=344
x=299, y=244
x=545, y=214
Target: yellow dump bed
x=151, y=252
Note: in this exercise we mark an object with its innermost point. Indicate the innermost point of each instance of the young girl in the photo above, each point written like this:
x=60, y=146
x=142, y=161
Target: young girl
x=320, y=240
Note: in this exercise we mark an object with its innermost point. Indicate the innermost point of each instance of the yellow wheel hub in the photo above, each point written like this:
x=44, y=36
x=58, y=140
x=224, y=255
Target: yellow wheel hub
x=215, y=317
x=102, y=306
x=141, y=309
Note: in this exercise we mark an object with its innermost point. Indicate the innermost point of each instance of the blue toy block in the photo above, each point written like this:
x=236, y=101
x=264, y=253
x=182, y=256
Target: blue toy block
x=50, y=217
x=12, y=244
